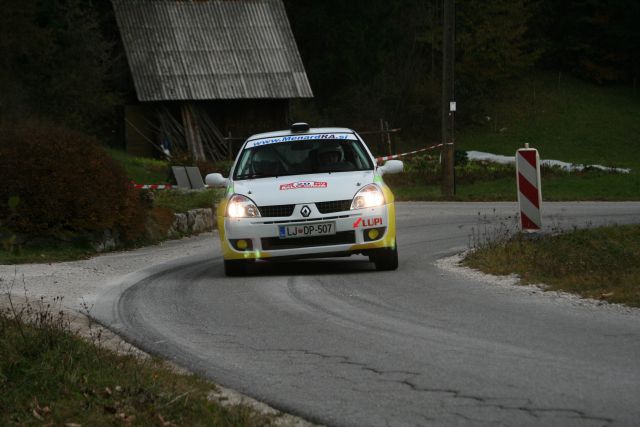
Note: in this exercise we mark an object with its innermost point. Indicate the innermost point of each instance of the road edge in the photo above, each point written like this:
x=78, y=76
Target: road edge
x=453, y=264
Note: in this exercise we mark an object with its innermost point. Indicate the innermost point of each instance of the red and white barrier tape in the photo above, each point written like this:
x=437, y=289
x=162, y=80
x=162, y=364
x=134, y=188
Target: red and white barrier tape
x=395, y=156
x=378, y=159
x=154, y=186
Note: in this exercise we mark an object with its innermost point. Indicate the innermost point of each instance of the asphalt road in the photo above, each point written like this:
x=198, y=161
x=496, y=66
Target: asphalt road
x=340, y=344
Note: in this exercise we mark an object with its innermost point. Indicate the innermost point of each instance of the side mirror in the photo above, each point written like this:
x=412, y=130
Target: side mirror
x=216, y=180
x=392, y=166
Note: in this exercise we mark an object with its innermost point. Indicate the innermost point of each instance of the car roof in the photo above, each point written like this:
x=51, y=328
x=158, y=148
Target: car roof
x=311, y=131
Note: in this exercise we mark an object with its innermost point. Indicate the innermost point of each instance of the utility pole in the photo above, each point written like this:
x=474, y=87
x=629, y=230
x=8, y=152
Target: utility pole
x=448, y=99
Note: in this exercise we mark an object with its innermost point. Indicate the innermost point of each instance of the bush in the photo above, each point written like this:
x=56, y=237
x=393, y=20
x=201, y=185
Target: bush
x=160, y=221
x=65, y=182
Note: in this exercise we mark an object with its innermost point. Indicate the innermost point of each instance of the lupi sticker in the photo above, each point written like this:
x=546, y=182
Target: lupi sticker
x=367, y=222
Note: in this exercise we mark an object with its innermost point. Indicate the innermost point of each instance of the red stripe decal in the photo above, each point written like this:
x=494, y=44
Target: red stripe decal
x=528, y=190
x=526, y=222
x=529, y=156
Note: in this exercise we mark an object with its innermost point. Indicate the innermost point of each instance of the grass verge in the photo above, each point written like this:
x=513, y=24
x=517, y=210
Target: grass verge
x=601, y=263
x=51, y=376
x=182, y=201
x=142, y=170
x=486, y=181
x=593, y=186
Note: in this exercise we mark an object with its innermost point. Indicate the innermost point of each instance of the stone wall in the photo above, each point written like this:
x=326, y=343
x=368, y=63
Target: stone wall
x=193, y=222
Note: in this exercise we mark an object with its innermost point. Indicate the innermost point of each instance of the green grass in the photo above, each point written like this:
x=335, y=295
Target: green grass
x=497, y=190
x=50, y=376
x=564, y=119
x=182, y=201
x=142, y=170
x=602, y=263
x=588, y=186
x=593, y=186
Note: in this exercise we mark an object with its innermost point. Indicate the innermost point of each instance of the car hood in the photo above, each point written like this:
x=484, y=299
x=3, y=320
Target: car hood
x=295, y=189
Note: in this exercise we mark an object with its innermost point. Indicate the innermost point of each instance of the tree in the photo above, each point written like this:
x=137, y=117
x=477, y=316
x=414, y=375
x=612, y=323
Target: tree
x=372, y=59
x=491, y=43
x=594, y=39
x=56, y=62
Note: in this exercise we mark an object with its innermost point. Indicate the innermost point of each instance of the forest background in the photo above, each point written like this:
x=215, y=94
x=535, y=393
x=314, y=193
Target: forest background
x=62, y=60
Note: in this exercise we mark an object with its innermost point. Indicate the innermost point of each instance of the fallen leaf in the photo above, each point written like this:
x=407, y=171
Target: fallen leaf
x=37, y=415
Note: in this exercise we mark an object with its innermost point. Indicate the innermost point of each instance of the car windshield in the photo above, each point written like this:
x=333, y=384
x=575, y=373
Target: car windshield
x=300, y=155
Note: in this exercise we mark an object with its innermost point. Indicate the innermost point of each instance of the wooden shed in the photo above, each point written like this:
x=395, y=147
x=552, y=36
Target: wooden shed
x=207, y=70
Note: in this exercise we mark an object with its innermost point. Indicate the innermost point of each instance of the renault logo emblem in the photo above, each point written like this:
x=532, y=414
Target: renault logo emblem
x=305, y=211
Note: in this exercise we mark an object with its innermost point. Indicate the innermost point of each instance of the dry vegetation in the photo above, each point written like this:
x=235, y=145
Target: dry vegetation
x=49, y=375
x=601, y=263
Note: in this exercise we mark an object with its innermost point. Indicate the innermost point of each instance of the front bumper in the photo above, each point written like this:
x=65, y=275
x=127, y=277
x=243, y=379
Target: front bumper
x=353, y=234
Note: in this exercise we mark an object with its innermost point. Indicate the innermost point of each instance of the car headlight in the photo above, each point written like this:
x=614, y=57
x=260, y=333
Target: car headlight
x=242, y=207
x=369, y=196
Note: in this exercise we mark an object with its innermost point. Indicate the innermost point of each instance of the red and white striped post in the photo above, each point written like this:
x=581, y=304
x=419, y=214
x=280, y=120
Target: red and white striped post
x=529, y=188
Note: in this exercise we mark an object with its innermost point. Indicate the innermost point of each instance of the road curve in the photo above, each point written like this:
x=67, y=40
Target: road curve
x=340, y=344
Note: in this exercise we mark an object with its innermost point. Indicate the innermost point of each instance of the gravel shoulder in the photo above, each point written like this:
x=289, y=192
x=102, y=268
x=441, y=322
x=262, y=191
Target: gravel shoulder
x=79, y=283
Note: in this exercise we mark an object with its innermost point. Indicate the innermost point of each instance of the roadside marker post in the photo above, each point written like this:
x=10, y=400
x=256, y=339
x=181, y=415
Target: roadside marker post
x=529, y=188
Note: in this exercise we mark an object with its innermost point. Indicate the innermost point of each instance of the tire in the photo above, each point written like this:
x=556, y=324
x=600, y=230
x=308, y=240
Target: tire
x=386, y=259
x=234, y=268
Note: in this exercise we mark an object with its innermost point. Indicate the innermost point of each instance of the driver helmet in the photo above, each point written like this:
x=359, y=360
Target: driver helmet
x=265, y=161
x=330, y=153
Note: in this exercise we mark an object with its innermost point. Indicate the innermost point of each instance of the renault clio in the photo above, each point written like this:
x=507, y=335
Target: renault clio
x=306, y=193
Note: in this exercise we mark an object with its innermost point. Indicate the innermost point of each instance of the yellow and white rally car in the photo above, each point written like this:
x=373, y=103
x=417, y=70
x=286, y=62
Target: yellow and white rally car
x=306, y=193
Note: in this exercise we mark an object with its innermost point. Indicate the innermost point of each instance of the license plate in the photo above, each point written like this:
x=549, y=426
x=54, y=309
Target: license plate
x=307, y=230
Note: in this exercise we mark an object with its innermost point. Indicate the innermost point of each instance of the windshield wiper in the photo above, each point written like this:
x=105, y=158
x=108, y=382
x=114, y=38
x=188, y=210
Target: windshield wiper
x=254, y=175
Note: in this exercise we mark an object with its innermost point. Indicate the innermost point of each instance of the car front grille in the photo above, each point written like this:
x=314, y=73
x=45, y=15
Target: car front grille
x=276, y=210
x=275, y=243
x=333, y=206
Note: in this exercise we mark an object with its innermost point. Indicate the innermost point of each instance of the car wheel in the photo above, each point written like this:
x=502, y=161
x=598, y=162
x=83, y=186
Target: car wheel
x=236, y=267
x=386, y=259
